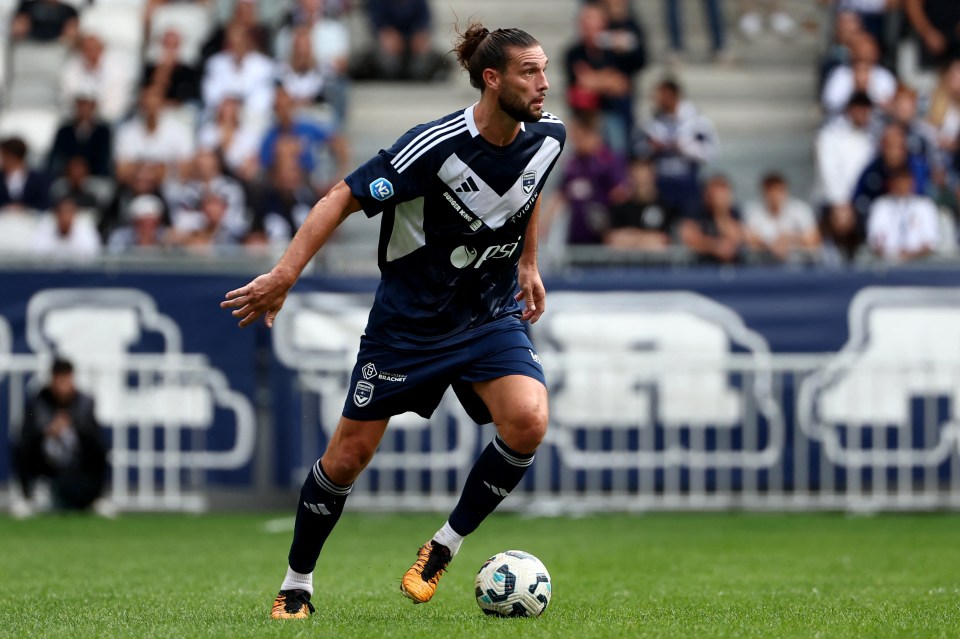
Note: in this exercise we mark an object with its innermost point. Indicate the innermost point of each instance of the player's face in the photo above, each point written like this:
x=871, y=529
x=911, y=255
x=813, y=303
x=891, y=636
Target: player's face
x=525, y=85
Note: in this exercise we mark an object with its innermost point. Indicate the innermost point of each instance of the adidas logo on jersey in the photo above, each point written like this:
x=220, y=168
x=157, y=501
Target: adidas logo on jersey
x=468, y=186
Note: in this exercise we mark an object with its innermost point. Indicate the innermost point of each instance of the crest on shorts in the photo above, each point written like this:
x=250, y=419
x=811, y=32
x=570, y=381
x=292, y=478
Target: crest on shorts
x=528, y=181
x=363, y=393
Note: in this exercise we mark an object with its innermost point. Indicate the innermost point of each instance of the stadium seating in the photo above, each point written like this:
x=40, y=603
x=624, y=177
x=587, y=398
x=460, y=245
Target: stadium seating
x=36, y=125
x=119, y=25
x=192, y=21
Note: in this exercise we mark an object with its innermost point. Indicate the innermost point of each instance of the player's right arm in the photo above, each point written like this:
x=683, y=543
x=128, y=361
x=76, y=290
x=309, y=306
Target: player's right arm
x=264, y=296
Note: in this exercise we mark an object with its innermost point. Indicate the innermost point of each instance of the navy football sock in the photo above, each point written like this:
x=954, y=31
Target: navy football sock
x=321, y=503
x=496, y=472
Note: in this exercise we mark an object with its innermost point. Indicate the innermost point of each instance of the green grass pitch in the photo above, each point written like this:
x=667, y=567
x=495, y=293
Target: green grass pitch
x=661, y=575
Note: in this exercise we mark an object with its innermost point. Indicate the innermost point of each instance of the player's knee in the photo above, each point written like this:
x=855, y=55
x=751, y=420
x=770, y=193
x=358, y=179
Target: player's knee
x=344, y=463
x=526, y=430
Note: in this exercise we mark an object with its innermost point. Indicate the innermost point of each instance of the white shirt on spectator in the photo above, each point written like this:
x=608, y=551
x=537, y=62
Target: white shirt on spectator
x=83, y=241
x=251, y=80
x=842, y=153
x=839, y=87
x=796, y=218
x=169, y=143
x=111, y=82
x=902, y=224
x=244, y=144
x=330, y=41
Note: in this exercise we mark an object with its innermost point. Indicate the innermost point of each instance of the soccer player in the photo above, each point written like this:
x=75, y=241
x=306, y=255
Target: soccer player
x=459, y=199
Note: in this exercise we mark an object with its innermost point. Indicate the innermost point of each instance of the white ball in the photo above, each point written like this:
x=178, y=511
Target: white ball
x=513, y=583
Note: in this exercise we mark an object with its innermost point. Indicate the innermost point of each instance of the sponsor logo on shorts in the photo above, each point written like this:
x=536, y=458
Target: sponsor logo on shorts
x=534, y=356
x=381, y=189
x=363, y=393
x=368, y=370
x=392, y=377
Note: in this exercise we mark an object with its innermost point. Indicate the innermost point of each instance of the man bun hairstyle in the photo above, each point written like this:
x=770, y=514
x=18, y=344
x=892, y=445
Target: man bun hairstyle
x=478, y=48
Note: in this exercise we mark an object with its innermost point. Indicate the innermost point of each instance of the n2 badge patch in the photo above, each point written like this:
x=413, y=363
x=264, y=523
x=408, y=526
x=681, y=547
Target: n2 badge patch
x=381, y=189
x=528, y=181
x=363, y=393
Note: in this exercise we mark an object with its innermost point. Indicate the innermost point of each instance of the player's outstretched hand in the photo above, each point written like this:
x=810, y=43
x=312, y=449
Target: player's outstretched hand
x=532, y=294
x=264, y=296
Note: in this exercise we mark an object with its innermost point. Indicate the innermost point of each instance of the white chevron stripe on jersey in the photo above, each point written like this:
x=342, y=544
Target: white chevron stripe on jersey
x=486, y=203
x=425, y=140
x=434, y=142
x=407, y=234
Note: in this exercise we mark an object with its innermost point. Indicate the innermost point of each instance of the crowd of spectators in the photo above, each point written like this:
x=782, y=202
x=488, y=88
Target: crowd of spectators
x=887, y=158
x=201, y=147
x=227, y=142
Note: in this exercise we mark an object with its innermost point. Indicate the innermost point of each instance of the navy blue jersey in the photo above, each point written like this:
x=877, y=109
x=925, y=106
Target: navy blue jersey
x=455, y=213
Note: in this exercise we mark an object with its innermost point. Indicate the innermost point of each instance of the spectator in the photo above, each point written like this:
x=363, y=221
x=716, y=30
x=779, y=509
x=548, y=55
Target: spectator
x=152, y=136
x=780, y=225
x=921, y=136
x=77, y=184
x=937, y=22
x=903, y=226
x=402, y=32
x=236, y=143
x=45, y=21
x=61, y=442
x=108, y=74
x=872, y=15
x=641, y=222
x=20, y=185
x=846, y=29
x=84, y=135
x=239, y=70
x=714, y=233
x=208, y=230
x=146, y=180
x=864, y=73
x=299, y=74
x=715, y=20
x=246, y=15
x=680, y=141
x=944, y=111
x=60, y=235
x=593, y=179
x=842, y=150
x=175, y=80
x=208, y=177
x=753, y=12
x=329, y=49
x=143, y=229
x=304, y=139
x=893, y=155
x=600, y=69
x=281, y=206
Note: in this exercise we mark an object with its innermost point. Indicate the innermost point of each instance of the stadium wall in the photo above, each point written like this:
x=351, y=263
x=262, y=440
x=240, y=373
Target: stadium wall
x=673, y=389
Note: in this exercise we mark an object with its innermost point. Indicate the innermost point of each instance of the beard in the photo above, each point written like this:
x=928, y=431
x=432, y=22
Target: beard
x=514, y=106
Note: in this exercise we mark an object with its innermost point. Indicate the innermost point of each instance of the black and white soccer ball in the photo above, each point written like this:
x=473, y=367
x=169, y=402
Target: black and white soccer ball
x=513, y=583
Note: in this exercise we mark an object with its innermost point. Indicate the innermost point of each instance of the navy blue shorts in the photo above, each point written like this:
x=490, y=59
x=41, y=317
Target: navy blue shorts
x=389, y=381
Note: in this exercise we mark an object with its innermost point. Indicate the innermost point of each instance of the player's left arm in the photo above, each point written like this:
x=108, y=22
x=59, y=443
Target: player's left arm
x=531, y=291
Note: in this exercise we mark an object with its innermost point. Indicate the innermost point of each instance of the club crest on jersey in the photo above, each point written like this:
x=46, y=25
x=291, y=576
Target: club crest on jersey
x=528, y=181
x=382, y=189
x=363, y=393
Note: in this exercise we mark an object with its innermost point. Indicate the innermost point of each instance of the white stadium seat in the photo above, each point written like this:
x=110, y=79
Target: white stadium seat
x=192, y=21
x=120, y=26
x=36, y=125
x=17, y=229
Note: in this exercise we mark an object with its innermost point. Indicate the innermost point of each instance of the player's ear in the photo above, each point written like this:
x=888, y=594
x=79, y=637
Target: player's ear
x=491, y=78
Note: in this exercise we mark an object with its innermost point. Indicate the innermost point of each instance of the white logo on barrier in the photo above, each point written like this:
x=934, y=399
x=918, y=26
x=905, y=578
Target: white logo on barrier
x=630, y=362
x=904, y=349
x=318, y=335
x=130, y=358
